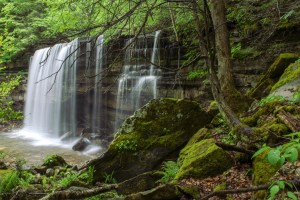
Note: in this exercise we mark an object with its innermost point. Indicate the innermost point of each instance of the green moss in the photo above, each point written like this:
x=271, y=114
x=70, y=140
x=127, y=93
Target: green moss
x=202, y=134
x=263, y=171
x=203, y=159
x=191, y=190
x=221, y=186
x=290, y=74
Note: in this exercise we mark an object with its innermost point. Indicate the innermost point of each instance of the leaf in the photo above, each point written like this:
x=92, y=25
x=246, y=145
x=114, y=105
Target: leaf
x=292, y=195
x=291, y=154
x=274, y=190
x=260, y=151
x=281, y=184
x=274, y=156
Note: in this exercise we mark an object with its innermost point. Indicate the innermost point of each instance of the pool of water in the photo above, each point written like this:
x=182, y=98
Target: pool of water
x=35, y=150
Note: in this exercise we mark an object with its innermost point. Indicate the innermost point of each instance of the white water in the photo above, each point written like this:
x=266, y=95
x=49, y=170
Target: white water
x=138, y=82
x=50, y=108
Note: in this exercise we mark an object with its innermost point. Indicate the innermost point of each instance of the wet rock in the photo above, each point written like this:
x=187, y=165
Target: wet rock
x=86, y=133
x=154, y=133
x=81, y=144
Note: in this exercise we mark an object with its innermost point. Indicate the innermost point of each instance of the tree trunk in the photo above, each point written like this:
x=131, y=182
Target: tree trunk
x=225, y=71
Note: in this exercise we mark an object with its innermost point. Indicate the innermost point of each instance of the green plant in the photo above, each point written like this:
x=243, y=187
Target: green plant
x=192, y=75
x=67, y=181
x=277, y=156
x=2, y=155
x=127, y=145
x=169, y=171
x=109, y=179
x=287, y=16
x=271, y=98
x=87, y=176
x=296, y=98
x=10, y=181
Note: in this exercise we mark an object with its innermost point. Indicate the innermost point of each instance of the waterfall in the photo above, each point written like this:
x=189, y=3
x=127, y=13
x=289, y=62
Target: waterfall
x=138, y=82
x=55, y=77
x=50, y=107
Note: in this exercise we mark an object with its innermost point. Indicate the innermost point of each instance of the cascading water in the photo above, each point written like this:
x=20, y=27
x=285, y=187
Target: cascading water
x=137, y=84
x=52, y=92
x=50, y=107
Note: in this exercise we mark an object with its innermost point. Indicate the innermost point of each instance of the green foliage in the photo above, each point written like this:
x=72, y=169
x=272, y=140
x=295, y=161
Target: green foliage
x=109, y=179
x=127, y=145
x=169, y=171
x=20, y=26
x=238, y=53
x=2, y=155
x=197, y=74
x=10, y=181
x=87, y=176
x=296, y=98
x=271, y=98
x=287, y=16
x=67, y=180
x=277, y=156
x=7, y=112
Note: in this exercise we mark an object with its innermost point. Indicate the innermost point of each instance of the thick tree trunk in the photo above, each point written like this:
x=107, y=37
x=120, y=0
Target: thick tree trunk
x=225, y=71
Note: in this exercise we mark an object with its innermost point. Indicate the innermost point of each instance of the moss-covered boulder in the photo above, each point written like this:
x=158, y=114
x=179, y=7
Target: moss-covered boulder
x=203, y=159
x=273, y=74
x=263, y=171
x=289, y=82
x=154, y=133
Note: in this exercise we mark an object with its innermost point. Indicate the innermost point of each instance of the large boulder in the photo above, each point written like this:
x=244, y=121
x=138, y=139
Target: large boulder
x=154, y=133
x=267, y=81
x=289, y=82
x=203, y=159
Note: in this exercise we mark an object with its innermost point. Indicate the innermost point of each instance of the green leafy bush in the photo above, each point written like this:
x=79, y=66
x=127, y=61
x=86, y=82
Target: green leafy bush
x=109, y=179
x=10, y=181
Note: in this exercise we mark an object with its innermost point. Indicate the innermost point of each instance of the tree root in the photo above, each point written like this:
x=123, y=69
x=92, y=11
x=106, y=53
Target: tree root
x=295, y=183
x=69, y=194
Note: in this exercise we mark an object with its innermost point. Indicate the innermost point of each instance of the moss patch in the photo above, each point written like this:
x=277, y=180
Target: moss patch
x=203, y=159
x=263, y=171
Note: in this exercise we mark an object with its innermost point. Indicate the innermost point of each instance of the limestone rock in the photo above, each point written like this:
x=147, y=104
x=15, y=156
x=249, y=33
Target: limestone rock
x=154, y=133
x=203, y=159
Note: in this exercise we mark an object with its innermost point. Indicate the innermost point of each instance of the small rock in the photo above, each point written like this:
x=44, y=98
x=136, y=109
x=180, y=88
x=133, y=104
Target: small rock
x=3, y=165
x=50, y=172
x=297, y=172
